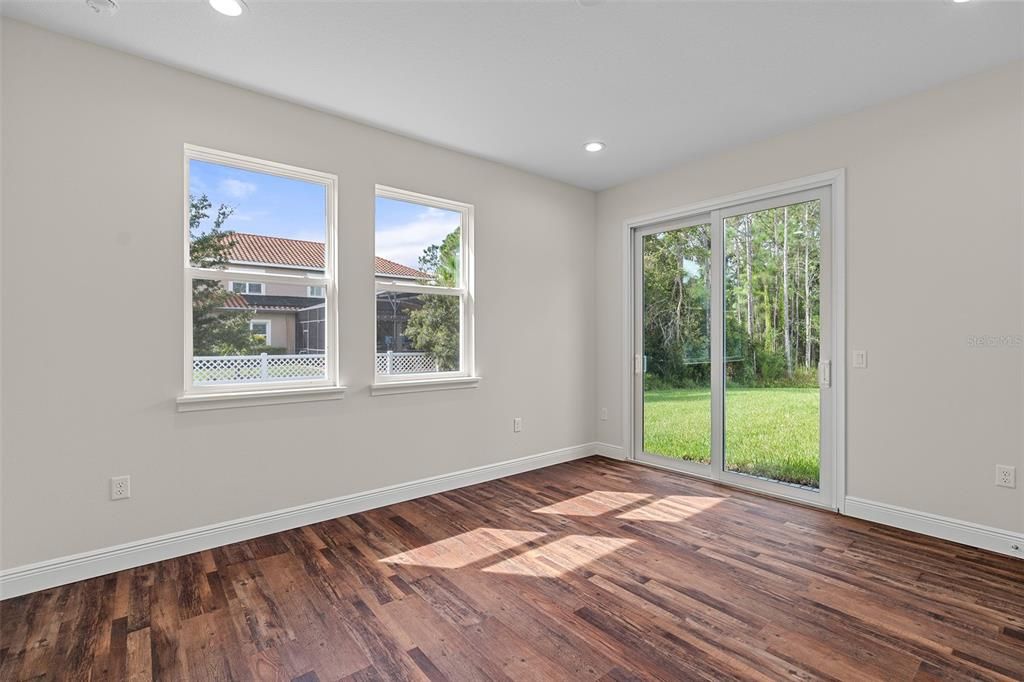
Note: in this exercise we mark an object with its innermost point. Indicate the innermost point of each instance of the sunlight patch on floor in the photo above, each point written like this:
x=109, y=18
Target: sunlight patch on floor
x=566, y=554
x=464, y=549
x=594, y=503
x=671, y=508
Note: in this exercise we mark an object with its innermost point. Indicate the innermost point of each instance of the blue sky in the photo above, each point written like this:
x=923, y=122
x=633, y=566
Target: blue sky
x=405, y=229
x=281, y=207
x=264, y=204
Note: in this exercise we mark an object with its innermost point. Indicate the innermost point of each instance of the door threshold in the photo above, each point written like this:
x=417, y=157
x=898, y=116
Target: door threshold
x=736, y=486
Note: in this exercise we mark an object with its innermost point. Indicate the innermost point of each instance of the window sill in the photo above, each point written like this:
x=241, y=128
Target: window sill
x=420, y=385
x=195, y=402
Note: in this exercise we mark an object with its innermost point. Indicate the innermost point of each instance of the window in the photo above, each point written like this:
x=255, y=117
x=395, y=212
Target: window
x=252, y=225
x=247, y=287
x=424, y=288
x=260, y=330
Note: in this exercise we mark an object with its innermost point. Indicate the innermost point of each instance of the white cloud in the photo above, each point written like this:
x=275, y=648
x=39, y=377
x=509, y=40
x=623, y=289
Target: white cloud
x=404, y=243
x=238, y=189
x=248, y=216
x=196, y=186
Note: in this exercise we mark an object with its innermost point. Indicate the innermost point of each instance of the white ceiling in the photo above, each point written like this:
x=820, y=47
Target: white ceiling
x=528, y=83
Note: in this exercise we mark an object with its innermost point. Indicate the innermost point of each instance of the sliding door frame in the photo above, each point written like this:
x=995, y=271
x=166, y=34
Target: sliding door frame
x=834, y=183
x=637, y=406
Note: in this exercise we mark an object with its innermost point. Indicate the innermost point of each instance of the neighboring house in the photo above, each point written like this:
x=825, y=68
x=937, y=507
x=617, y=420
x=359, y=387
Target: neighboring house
x=291, y=316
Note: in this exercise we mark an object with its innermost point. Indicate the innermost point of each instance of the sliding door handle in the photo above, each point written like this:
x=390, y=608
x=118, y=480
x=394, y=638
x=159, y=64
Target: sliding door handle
x=825, y=374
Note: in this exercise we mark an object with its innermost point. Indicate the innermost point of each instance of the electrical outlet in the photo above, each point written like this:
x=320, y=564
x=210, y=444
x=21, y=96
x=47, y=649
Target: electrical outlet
x=1006, y=476
x=517, y=424
x=860, y=359
x=120, y=487
x=604, y=414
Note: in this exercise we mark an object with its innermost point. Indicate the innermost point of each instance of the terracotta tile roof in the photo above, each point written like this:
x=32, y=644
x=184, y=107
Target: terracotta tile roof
x=390, y=267
x=256, y=248
x=235, y=301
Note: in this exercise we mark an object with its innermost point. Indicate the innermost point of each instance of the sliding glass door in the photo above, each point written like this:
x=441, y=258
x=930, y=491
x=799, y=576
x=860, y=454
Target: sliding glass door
x=674, y=299
x=732, y=333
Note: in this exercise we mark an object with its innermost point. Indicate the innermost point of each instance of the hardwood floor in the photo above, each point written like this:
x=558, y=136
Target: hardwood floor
x=592, y=570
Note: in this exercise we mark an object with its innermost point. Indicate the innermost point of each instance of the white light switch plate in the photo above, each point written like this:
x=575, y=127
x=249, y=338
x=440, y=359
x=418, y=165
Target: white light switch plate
x=860, y=359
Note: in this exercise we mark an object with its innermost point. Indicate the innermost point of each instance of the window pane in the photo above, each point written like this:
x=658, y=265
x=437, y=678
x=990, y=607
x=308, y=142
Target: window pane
x=772, y=327
x=417, y=333
x=677, y=343
x=252, y=330
x=259, y=331
x=249, y=218
x=417, y=243
x=230, y=347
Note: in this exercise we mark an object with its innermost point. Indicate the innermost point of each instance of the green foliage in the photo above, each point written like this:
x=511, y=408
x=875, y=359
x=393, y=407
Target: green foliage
x=434, y=327
x=214, y=331
x=772, y=324
x=677, y=304
x=769, y=432
x=269, y=350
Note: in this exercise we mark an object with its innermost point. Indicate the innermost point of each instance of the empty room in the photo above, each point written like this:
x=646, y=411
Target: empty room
x=501, y=340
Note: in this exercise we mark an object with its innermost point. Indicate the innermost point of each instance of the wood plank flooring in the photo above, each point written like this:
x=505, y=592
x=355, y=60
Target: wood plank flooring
x=592, y=570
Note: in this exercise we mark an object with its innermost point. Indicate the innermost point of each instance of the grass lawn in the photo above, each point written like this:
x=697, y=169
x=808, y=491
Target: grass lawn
x=769, y=432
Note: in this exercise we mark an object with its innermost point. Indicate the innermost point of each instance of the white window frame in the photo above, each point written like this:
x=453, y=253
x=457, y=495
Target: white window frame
x=231, y=287
x=309, y=291
x=231, y=395
x=465, y=376
x=265, y=322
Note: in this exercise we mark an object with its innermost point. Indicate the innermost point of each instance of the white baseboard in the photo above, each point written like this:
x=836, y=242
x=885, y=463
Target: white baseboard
x=964, y=532
x=609, y=450
x=53, y=572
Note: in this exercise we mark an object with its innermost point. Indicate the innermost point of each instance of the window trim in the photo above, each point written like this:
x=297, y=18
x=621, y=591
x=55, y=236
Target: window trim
x=266, y=337
x=465, y=292
x=249, y=393
x=309, y=291
x=232, y=283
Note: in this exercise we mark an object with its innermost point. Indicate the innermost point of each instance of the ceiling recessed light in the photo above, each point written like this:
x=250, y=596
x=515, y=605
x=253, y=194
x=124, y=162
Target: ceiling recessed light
x=231, y=8
x=102, y=6
x=960, y=1
x=594, y=146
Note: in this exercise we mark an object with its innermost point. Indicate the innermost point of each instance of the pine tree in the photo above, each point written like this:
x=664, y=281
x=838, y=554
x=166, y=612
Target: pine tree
x=434, y=327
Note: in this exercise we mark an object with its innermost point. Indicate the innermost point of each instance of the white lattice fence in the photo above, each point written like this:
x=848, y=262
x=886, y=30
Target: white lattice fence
x=405, y=363
x=240, y=369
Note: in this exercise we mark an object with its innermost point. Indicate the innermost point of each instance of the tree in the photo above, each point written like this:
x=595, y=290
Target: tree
x=676, y=306
x=807, y=286
x=772, y=291
x=214, y=332
x=434, y=327
x=786, y=321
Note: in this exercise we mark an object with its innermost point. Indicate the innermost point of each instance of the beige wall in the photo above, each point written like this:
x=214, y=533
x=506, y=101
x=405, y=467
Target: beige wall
x=275, y=289
x=278, y=289
x=934, y=255
x=95, y=137
x=92, y=177
x=282, y=329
